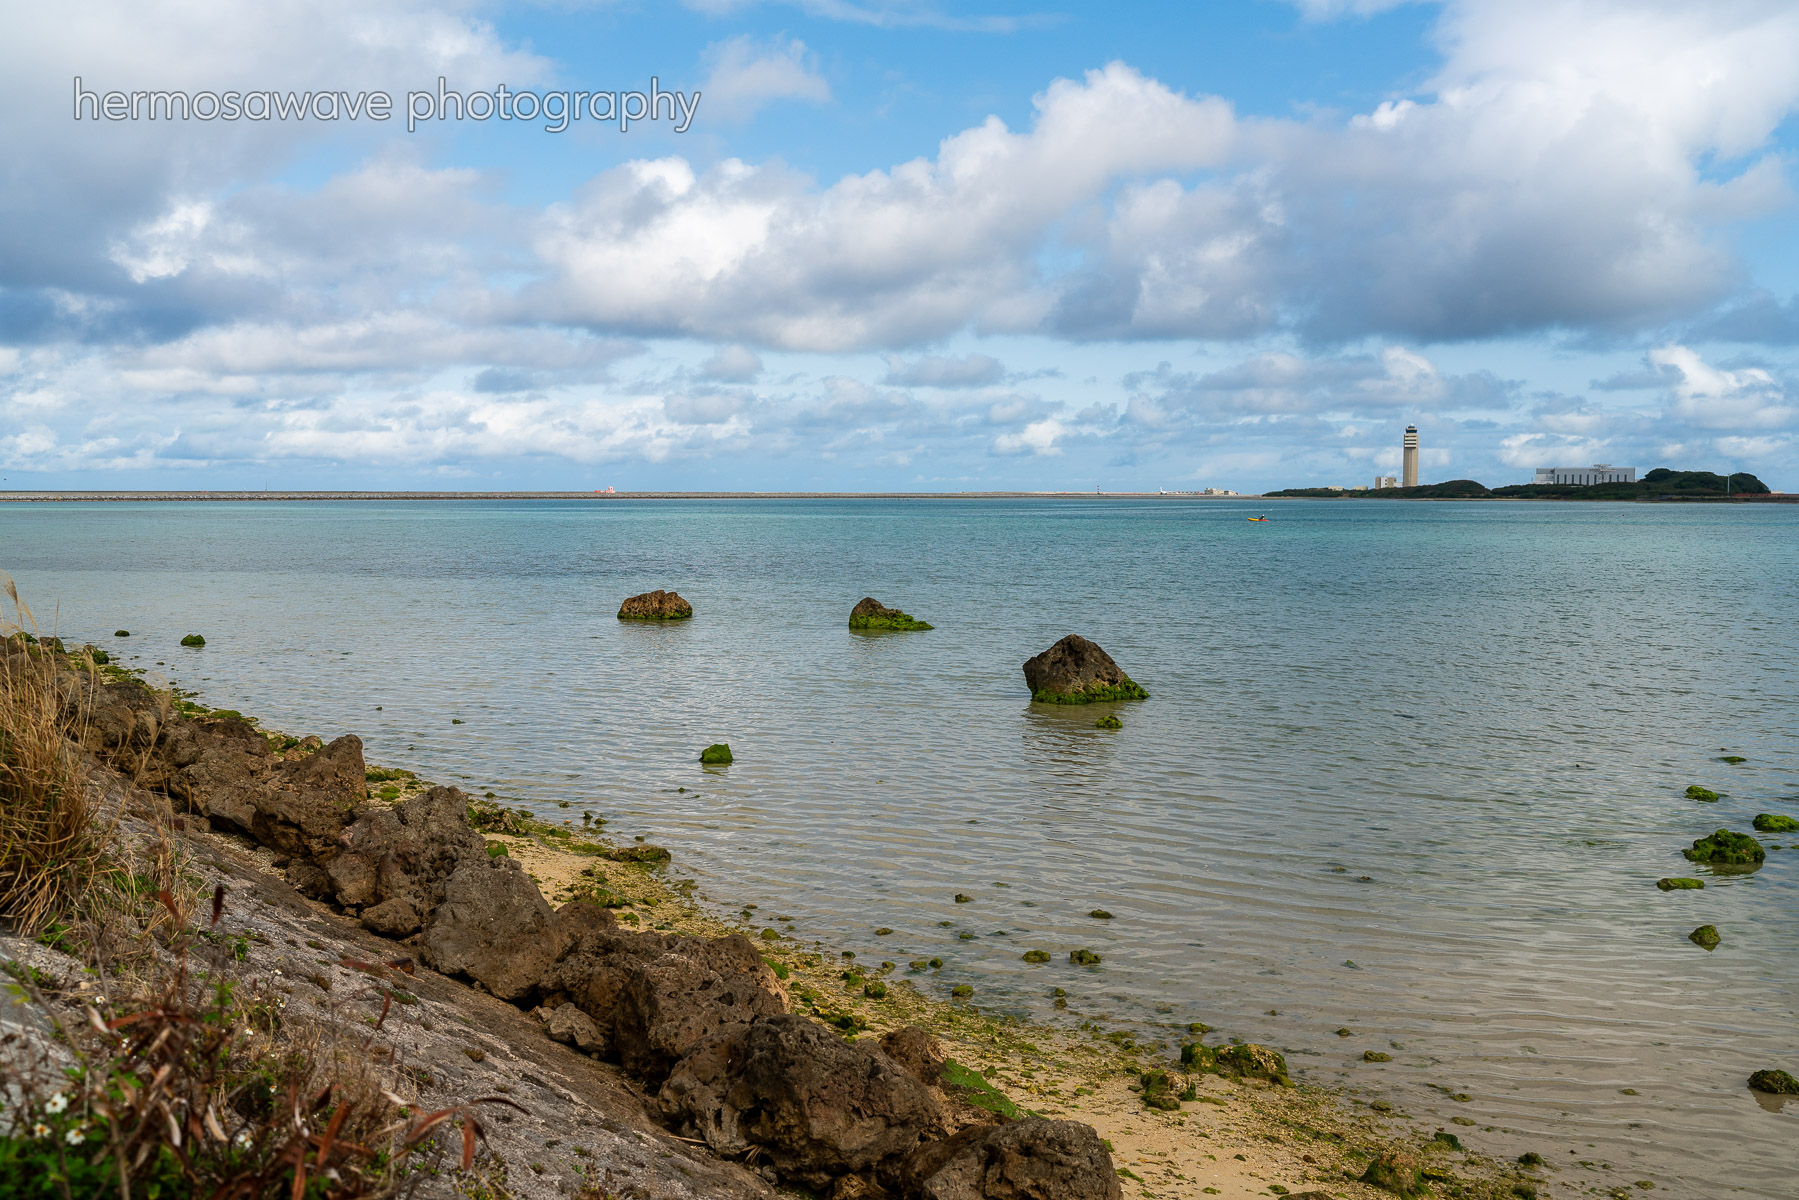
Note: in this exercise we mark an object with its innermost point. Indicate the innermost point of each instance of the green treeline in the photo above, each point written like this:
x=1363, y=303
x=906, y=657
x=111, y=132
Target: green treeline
x=1659, y=484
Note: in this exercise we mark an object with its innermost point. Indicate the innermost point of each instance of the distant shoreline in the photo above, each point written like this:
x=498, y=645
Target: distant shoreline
x=22, y=497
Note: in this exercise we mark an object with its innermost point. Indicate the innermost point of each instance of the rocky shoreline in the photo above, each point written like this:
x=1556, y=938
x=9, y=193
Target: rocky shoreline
x=725, y=1042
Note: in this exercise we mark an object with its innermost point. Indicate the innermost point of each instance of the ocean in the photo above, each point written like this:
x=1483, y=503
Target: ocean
x=1408, y=769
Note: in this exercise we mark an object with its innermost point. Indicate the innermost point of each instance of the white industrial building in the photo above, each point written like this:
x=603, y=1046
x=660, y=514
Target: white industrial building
x=1586, y=476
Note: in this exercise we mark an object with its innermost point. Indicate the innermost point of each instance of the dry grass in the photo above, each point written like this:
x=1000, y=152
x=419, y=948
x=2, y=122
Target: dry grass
x=53, y=839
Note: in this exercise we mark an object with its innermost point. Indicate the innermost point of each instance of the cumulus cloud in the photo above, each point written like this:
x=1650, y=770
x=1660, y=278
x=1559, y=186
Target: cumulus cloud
x=971, y=370
x=1713, y=398
x=748, y=74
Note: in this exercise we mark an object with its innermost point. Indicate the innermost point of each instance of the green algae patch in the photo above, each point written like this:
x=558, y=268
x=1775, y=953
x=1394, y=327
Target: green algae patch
x=1376, y=1056
x=1084, y=958
x=1775, y=1083
x=1129, y=689
x=875, y=990
x=1679, y=885
x=1109, y=721
x=1733, y=759
x=1246, y=1059
x=1695, y=792
x=1776, y=823
x=1705, y=937
x=897, y=621
x=962, y=991
x=973, y=1087
x=497, y=850
x=1036, y=956
x=716, y=755
x=1159, y=1091
x=639, y=854
x=1396, y=1172
x=1726, y=849
x=193, y=639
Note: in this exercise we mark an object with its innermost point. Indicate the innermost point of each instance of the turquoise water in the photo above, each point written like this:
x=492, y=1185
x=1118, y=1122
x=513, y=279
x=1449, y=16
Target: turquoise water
x=1446, y=743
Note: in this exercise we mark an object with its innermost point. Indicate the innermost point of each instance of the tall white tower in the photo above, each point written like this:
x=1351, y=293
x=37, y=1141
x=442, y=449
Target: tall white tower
x=1408, y=471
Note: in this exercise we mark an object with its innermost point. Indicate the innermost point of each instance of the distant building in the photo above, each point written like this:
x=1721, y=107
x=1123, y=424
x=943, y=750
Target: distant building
x=1409, y=464
x=1382, y=482
x=1586, y=476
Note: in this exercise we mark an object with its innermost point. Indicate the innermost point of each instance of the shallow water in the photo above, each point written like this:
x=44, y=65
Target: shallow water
x=1445, y=743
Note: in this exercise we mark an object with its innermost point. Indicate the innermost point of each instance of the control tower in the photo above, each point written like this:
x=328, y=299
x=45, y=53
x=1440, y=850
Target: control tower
x=1408, y=471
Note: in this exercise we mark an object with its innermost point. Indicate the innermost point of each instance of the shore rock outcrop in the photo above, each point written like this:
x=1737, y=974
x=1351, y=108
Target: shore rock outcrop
x=657, y=997
x=1030, y=1159
x=655, y=606
x=870, y=613
x=819, y=1107
x=495, y=927
x=224, y=770
x=394, y=861
x=1075, y=671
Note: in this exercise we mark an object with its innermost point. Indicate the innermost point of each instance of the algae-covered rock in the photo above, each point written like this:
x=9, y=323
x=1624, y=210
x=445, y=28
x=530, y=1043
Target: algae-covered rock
x=121, y=633
x=1083, y=957
x=1727, y=849
x=1774, y=1082
x=1109, y=721
x=1036, y=956
x=1376, y=1056
x=961, y=991
x=870, y=613
x=1705, y=936
x=1776, y=823
x=1100, y=914
x=1246, y=1059
x=642, y=853
x=1395, y=1171
x=1695, y=792
x=1075, y=671
x=655, y=606
x=718, y=754
x=1679, y=884
x=1159, y=1091
x=193, y=639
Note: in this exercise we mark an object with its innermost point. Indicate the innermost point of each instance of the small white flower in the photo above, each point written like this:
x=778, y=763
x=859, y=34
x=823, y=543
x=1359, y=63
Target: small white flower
x=57, y=1103
x=243, y=1140
x=40, y=1130
x=75, y=1137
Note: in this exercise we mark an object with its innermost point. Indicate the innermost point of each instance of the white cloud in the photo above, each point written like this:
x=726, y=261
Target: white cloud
x=748, y=74
x=1750, y=398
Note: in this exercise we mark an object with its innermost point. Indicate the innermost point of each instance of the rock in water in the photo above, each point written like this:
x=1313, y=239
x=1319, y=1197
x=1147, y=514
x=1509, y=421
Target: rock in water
x=870, y=613
x=1706, y=937
x=655, y=606
x=193, y=639
x=1776, y=823
x=716, y=755
x=1777, y=1083
x=1727, y=849
x=1679, y=885
x=1075, y=671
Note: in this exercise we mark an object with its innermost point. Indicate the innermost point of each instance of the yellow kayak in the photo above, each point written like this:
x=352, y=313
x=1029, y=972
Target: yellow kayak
x=1258, y=518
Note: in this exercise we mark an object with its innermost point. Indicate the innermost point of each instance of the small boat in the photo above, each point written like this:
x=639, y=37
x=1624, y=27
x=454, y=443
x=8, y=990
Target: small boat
x=1258, y=518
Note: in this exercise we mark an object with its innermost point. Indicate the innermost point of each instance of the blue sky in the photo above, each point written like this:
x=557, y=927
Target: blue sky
x=905, y=245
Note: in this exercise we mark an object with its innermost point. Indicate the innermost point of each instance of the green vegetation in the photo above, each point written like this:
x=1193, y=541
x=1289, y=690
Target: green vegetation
x=961, y=991
x=1247, y=1058
x=1036, y=956
x=1109, y=721
x=1659, y=484
x=1100, y=914
x=891, y=619
x=1695, y=792
x=1732, y=759
x=1679, y=885
x=1128, y=690
x=716, y=755
x=193, y=639
x=1725, y=848
x=1084, y=958
x=1776, y=823
x=1159, y=1091
x=973, y=1087
x=1706, y=936
x=1376, y=1056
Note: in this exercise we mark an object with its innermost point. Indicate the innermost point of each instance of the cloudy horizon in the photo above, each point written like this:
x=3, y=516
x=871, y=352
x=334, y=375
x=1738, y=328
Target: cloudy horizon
x=904, y=245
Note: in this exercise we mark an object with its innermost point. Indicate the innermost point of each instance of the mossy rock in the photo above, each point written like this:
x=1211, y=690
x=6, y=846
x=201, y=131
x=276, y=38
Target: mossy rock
x=1726, y=848
x=121, y=633
x=655, y=606
x=870, y=613
x=1395, y=1171
x=1376, y=1056
x=1036, y=956
x=1775, y=1083
x=1084, y=958
x=1100, y=914
x=100, y=656
x=1679, y=884
x=1449, y=1140
x=639, y=854
x=1733, y=759
x=962, y=899
x=716, y=755
x=1109, y=721
x=961, y=991
x=771, y=935
x=1695, y=792
x=193, y=639
x=1706, y=937
x=1245, y=1059
x=1776, y=823
x=875, y=990
x=973, y=1087
x=1159, y=1091
x=883, y=931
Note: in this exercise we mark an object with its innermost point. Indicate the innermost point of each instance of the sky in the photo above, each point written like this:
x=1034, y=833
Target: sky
x=911, y=245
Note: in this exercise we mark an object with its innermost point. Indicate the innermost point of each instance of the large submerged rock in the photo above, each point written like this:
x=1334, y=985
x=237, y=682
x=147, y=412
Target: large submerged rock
x=655, y=606
x=1075, y=671
x=1726, y=848
x=870, y=613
